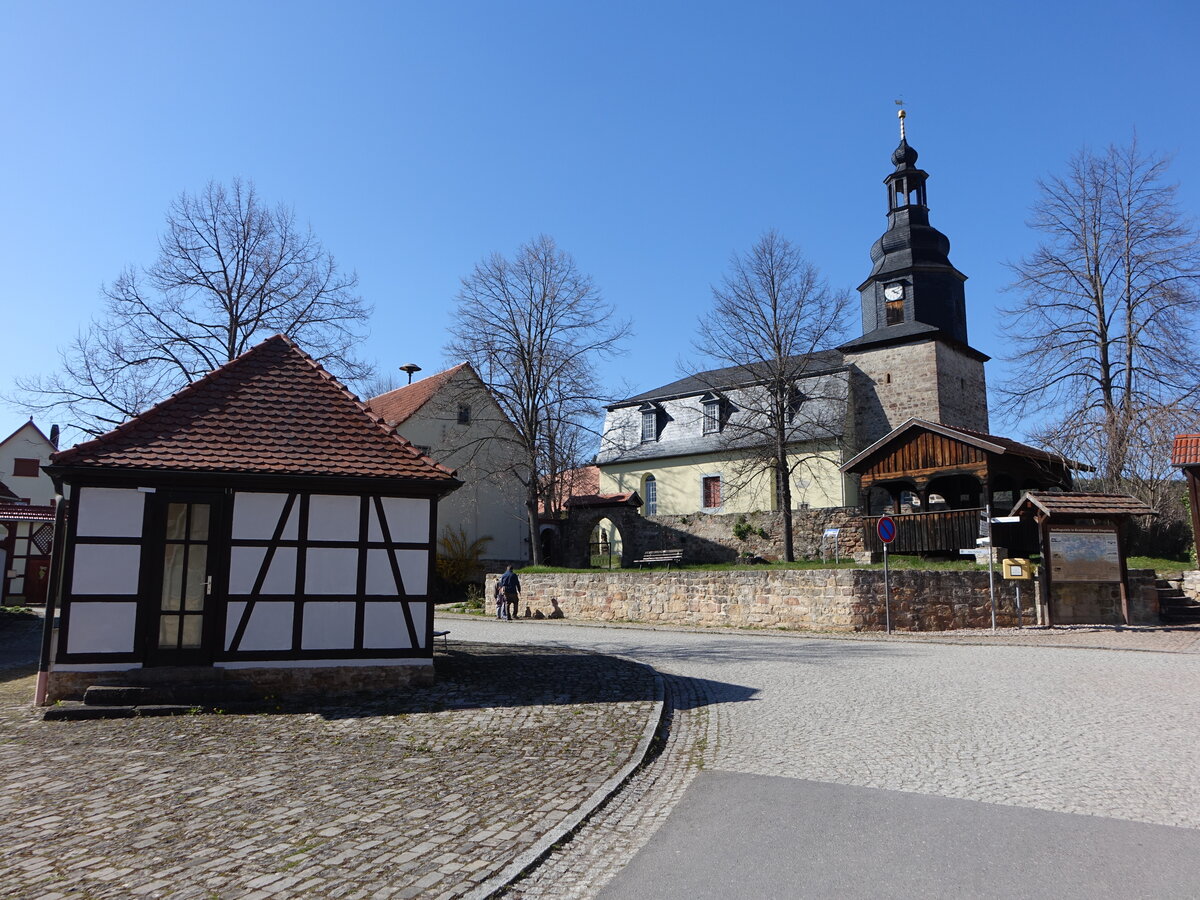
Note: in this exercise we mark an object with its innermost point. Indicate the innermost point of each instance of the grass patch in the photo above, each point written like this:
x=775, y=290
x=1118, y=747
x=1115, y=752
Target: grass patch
x=1160, y=565
x=17, y=612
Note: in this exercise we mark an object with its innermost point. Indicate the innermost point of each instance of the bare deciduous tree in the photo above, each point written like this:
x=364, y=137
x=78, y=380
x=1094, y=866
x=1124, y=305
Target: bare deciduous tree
x=230, y=272
x=1108, y=307
x=533, y=327
x=772, y=316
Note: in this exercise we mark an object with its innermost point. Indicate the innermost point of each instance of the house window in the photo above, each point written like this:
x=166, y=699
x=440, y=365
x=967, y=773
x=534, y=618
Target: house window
x=710, y=488
x=651, y=491
x=464, y=414
x=649, y=426
x=712, y=416
x=25, y=468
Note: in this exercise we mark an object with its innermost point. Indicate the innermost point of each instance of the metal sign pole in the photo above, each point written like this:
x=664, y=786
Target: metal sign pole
x=1018, y=604
x=991, y=566
x=887, y=592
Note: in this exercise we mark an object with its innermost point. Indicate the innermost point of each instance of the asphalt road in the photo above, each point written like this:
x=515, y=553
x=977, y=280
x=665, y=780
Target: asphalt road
x=859, y=768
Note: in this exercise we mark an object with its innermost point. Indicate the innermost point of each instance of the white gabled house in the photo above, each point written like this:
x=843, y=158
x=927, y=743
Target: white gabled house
x=453, y=417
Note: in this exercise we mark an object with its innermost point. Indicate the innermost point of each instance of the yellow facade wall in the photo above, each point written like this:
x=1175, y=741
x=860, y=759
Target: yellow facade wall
x=816, y=482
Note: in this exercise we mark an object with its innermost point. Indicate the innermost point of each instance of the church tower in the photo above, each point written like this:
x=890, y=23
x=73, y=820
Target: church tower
x=913, y=358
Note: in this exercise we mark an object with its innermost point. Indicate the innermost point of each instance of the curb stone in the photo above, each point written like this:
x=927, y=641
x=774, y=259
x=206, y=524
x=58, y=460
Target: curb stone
x=493, y=886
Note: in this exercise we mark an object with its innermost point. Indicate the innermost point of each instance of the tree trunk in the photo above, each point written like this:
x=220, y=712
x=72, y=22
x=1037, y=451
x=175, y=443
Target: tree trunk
x=531, y=509
x=783, y=490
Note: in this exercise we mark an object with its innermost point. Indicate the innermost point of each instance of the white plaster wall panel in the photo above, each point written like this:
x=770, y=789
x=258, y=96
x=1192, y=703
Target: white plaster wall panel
x=331, y=570
x=328, y=626
x=269, y=628
x=383, y=626
x=101, y=627
x=256, y=515
x=106, y=569
x=380, y=581
x=333, y=518
x=420, y=617
x=109, y=512
x=414, y=570
x=407, y=520
x=244, y=563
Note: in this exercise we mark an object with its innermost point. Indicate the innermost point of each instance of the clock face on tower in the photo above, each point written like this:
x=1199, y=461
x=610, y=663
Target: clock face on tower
x=893, y=292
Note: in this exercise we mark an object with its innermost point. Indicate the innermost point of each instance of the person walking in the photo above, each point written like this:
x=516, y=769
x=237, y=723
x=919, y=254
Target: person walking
x=501, y=602
x=510, y=584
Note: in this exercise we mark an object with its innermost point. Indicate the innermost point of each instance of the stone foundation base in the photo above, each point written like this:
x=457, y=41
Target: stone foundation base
x=322, y=681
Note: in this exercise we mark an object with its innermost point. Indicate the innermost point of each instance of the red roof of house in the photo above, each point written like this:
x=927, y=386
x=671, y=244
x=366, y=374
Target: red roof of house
x=1186, y=451
x=23, y=512
x=271, y=411
x=396, y=406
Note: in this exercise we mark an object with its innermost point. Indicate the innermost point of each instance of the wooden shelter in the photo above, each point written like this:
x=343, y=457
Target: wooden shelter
x=261, y=525
x=940, y=480
x=1084, y=580
x=1186, y=455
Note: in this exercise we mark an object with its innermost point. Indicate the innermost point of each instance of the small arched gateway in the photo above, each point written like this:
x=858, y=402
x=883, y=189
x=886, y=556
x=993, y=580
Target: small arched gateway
x=941, y=480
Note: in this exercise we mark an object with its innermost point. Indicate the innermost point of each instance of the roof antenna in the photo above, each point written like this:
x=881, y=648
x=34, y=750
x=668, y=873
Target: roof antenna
x=410, y=368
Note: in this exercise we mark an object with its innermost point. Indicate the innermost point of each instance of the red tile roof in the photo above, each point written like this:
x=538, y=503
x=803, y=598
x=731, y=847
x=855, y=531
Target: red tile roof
x=396, y=406
x=23, y=512
x=630, y=498
x=271, y=411
x=1186, y=451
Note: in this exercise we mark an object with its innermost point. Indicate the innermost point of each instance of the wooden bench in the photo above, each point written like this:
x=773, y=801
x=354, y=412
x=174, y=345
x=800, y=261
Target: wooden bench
x=653, y=557
x=444, y=635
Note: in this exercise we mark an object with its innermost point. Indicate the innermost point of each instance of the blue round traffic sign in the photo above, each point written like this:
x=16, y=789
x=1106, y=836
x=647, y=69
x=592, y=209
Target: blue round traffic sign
x=886, y=529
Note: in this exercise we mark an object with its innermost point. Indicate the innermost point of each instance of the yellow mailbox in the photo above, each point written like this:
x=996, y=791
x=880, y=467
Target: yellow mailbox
x=1018, y=569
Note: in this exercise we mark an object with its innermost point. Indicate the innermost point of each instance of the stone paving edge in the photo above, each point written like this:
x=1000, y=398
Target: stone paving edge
x=542, y=848
x=1006, y=637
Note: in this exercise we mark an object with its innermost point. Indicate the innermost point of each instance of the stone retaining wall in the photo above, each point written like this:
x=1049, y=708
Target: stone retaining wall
x=823, y=599
x=1190, y=584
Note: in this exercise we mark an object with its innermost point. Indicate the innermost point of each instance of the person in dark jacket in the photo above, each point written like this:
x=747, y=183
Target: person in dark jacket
x=510, y=584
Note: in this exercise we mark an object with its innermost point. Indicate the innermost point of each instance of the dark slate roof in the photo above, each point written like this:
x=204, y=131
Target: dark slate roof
x=904, y=333
x=6, y=493
x=1082, y=504
x=1186, y=450
x=819, y=363
x=271, y=411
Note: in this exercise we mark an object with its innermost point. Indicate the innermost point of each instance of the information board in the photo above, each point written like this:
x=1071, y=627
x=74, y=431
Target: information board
x=1084, y=553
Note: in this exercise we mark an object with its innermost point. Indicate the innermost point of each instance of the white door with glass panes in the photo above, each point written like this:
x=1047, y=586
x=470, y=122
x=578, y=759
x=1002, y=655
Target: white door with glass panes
x=180, y=625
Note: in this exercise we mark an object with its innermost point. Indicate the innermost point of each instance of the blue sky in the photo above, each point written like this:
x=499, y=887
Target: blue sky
x=650, y=140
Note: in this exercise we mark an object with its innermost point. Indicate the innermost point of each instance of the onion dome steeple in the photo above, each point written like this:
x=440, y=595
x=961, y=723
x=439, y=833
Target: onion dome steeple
x=913, y=290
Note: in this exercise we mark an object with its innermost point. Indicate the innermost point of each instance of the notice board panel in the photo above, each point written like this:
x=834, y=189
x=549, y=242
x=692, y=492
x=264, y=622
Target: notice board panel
x=1084, y=553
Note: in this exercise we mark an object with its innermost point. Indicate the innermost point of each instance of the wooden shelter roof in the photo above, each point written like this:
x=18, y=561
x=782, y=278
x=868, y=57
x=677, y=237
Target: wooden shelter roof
x=1082, y=505
x=988, y=443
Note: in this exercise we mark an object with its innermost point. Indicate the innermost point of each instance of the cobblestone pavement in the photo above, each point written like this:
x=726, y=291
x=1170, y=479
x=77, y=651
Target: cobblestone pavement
x=424, y=795
x=1069, y=730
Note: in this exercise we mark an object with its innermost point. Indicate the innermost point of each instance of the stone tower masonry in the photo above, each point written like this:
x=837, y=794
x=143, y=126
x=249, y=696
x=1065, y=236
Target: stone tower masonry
x=913, y=358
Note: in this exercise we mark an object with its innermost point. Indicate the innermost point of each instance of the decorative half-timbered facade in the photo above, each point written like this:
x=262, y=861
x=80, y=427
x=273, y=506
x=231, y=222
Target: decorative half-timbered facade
x=261, y=520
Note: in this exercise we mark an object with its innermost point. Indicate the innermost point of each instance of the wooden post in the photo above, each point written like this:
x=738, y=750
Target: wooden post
x=1047, y=578
x=1120, y=526
x=1193, y=480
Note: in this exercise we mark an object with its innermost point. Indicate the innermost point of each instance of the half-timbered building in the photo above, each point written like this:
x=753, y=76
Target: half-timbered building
x=262, y=524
